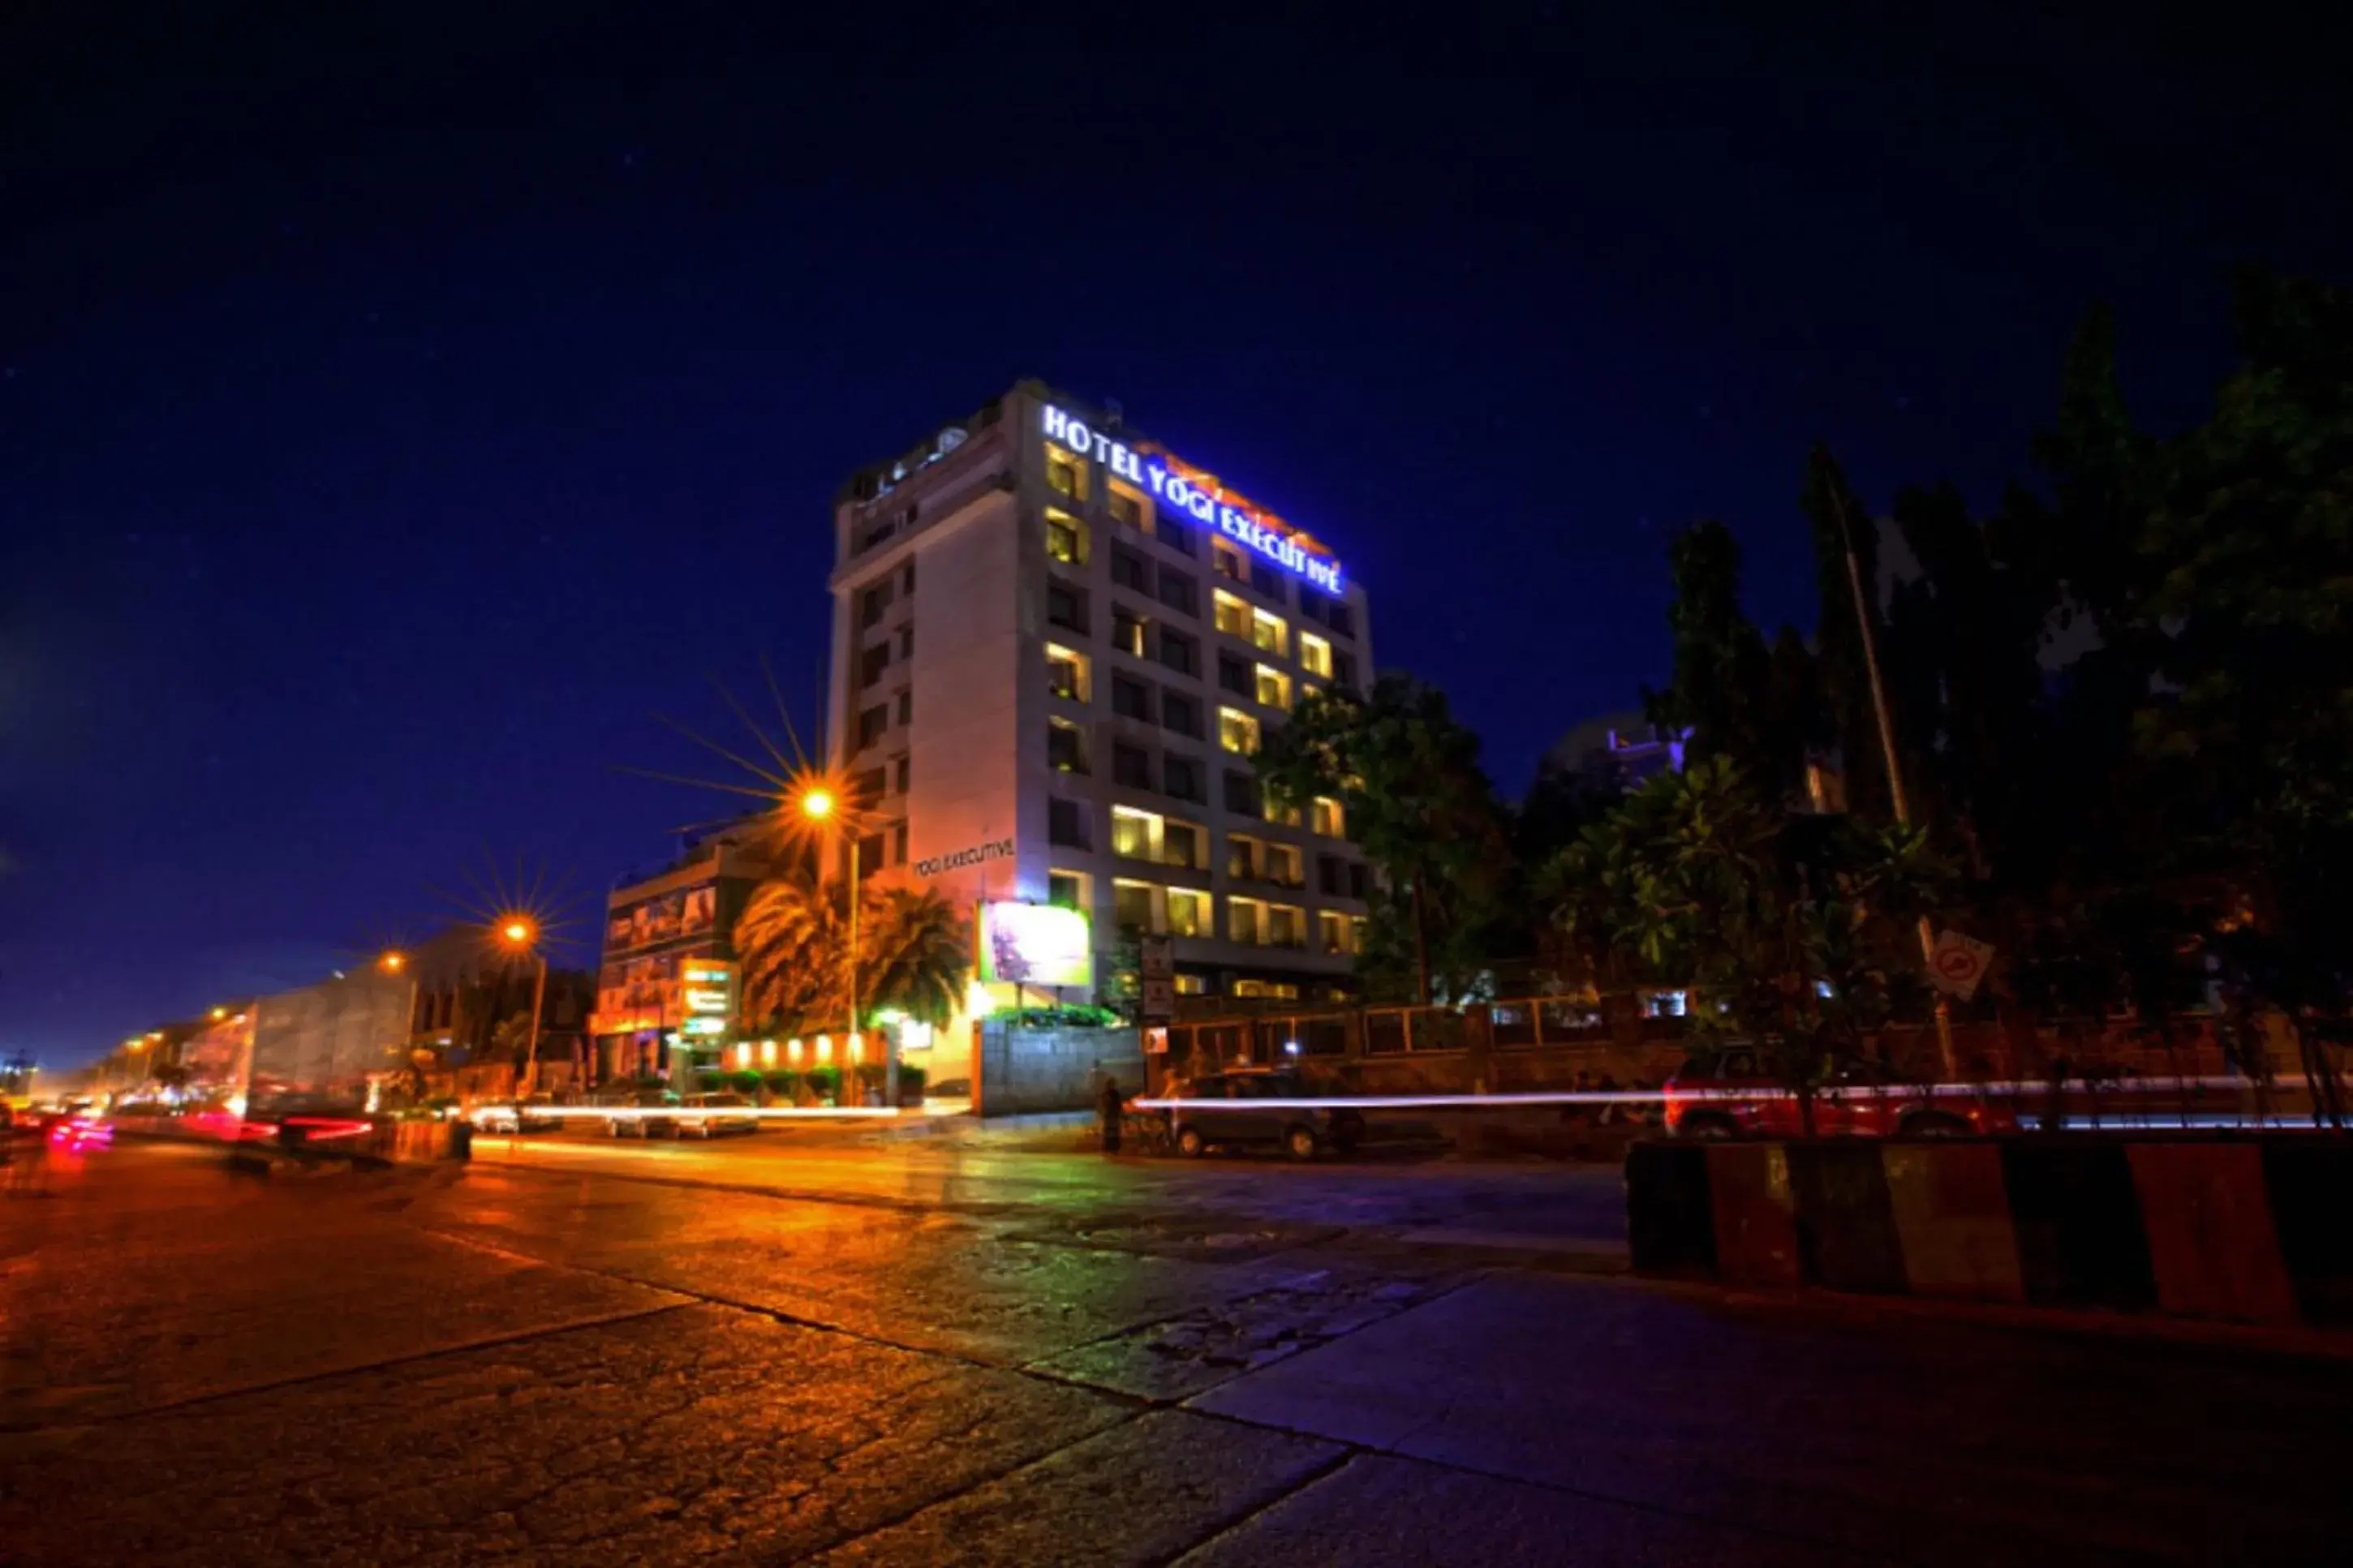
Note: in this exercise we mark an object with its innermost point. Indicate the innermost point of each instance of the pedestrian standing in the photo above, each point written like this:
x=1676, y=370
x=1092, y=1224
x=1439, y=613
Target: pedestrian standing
x=1111, y=1107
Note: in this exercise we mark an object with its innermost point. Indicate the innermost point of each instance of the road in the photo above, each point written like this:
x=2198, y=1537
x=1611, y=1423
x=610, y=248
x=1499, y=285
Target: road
x=929, y=1356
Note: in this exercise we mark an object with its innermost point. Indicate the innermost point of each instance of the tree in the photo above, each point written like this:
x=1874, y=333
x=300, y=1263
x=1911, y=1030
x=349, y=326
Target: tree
x=915, y=953
x=1416, y=800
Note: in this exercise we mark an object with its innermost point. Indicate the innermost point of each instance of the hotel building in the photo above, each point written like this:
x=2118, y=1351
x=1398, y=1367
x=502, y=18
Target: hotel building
x=1056, y=645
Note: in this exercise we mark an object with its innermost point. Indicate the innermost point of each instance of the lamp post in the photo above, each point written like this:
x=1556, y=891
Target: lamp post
x=818, y=804
x=521, y=936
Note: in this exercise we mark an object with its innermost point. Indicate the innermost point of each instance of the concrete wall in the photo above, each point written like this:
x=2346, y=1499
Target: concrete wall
x=1053, y=1070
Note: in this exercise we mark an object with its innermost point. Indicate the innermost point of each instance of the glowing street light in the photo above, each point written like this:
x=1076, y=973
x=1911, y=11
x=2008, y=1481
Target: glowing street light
x=817, y=801
x=523, y=935
x=219, y=1014
x=517, y=932
x=817, y=804
x=393, y=962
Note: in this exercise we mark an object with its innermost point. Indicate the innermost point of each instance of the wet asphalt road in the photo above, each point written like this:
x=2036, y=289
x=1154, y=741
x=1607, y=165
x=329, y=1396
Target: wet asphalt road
x=934, y=1356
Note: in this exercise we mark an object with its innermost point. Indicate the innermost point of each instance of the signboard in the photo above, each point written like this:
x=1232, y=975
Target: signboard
x=1957, y=963
x=971, y=855
x=1156, y=1042
x=1187, y=491
x=1159, y=999
x=1035, y=945
x=1159, y=962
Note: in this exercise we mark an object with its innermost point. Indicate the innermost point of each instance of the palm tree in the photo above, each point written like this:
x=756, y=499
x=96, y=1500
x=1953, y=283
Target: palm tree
x=918, y=953
x=789, y=941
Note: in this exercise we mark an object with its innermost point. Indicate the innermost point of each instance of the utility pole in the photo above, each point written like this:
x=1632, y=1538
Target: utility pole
x=1862, y=619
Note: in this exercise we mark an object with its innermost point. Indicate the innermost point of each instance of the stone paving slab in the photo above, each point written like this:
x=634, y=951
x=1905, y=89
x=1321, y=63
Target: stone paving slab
x=1936, y=1442
x=696, y=1433
x=1138, y=1493
x=1380, y=1512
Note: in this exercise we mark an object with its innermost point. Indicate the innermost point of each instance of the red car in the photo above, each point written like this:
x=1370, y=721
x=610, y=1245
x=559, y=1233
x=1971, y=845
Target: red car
x=1733, y=1097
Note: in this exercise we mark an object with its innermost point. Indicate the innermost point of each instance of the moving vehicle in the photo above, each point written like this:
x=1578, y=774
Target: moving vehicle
x=1732, y=1095
x=1232, y=1109
x=525, y=1116
x=694, y=1119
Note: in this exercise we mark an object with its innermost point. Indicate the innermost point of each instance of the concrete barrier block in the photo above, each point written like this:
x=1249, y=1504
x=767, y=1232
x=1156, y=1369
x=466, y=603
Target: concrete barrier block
x=2212, y=1246
x=1952, y=1219
x=2308, y=1184
x=1669, y=1223
x=1846, y=1227
x=2077, y=1215
x=1755, y=1227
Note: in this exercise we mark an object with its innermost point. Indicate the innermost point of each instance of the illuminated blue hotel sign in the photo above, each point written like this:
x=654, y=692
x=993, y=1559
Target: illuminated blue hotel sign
x=1198, y=496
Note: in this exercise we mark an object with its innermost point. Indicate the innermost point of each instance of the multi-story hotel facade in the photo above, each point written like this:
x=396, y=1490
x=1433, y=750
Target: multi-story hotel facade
x=1056, y=645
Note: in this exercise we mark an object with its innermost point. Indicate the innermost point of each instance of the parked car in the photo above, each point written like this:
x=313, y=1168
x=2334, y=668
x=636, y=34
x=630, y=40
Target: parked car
x=649, y=1121
x=1229, y=1108
x=694, y=1119
x=1732, y=1095
x=531, y=1115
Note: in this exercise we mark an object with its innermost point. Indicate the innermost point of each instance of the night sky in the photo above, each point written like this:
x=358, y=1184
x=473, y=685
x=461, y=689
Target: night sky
x=396, y=415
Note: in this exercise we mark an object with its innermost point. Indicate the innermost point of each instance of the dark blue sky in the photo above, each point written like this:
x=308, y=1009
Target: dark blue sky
x=394, y=415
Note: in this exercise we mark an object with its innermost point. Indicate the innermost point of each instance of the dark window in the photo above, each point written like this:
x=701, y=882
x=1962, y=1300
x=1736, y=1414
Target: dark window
x=1179, y=652
x=870, y=851
x=1066, y=824
x=1180, y=713
x=1235, y=675
x=1182, y=776
x=1125, y=509
x=872, y=663
x=1344, y=669
x=1360, y=880
x=874, y=605
x=1131, y=765
x=1341, y=619
x=1180, y=592
x=1131, y=698
x=867, y=787
x=1172, y=533
x=876, y=532
x=1130, y=570
x=871, y=725
x=1266, y=580
x=907, y=707
x=1331, y=875
x=1126, y=631
x=907, y=578
x=906, y=642
x=1066, y=607
x=1242, y=793
x=1227, y=561
x=1066, y=748
x=1180, y=844
x=901, y=779
x=1064, y=888
x=898, y=845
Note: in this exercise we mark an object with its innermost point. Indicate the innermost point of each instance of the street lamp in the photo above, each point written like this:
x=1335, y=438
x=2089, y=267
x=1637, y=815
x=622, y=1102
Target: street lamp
x=818, y=803
x=393, y=962
x=520, y=936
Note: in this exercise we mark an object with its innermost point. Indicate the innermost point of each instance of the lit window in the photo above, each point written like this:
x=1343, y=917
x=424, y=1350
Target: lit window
x=1188, y=913
x=1246, y=921
x=1233, y=615
x=1273, y=688
x=1244, y=854
x=1133, y=906
x=1066, y=672
x=1333, y=930
x=1135, y=835
x=1236, y=731
x=1191, y=985
x=1286, y=926
x=1270, y=990
x=1069, y=889
x=1065, y=473
x=1314, y=655
x=1183, y=844
x=1356, y=928
x=1066, y=538
x=1331, y=821
x=1282, y=864
x=1269, y=633
x=1066, y=747
x=1126, y=507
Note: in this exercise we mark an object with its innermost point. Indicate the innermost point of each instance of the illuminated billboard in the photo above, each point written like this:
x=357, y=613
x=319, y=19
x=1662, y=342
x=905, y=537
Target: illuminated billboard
x=1035, y=945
